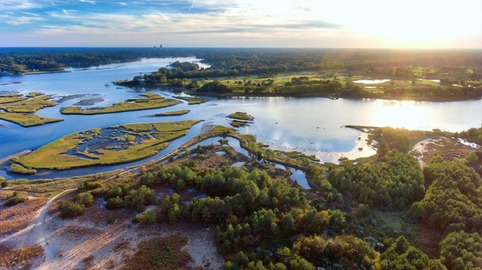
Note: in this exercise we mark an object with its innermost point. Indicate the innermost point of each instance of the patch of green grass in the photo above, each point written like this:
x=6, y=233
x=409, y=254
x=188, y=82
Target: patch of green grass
x=146, y=102
x=192, y=100
x=237, y=123
x=17, y=168
x=156, y=137
x=173, y=113
x=30, y=105
x=241, y=116
x=28, y=120
x=11, y=98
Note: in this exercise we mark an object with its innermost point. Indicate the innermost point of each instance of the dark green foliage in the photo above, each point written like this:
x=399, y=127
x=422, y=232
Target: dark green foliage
x=453, y=200
x=114, y=203
x=472, y=135
x=147, y=217
x=344, y=250
x=85, y=198
x=3, y=182
x=401, y=255
x=138, y=199
x=215, y=87
x=171, y=206
x=113, y=192
x=461, y=250
x=395, y=183
x=70, y=209
x=93, y=185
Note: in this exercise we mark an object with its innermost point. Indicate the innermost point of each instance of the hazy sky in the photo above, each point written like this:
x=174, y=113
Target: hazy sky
x=243, y=23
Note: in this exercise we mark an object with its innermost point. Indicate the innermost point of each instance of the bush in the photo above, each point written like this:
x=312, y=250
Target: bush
x=3, y=182
x=85, y=198
x=114, y=203
x=147, y=217
x=113, y=192
x=111, y=219
x=16, y=199
x=93, y=185
x=139, y=198
x=70, y=209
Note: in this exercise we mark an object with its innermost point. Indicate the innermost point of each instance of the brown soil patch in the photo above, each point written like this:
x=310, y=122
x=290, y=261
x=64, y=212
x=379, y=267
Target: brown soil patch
x=17, y=217
x=10, y=257
x=160, y=253
x=429, y=241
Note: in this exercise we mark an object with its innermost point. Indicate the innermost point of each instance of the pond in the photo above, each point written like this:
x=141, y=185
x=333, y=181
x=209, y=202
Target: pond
x=311, y=125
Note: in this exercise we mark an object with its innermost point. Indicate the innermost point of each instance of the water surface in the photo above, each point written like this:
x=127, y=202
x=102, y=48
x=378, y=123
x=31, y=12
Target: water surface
x=310, y=125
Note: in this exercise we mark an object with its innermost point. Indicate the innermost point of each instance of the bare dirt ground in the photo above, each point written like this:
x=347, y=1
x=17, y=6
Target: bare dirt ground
x=17, y=217
x=448, y=148
x=90, y=242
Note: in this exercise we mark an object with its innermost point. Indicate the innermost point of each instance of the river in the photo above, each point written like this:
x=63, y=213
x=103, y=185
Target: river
x=310, y=125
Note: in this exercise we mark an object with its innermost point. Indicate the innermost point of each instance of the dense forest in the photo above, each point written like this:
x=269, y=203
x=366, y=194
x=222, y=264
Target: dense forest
x=262, y=221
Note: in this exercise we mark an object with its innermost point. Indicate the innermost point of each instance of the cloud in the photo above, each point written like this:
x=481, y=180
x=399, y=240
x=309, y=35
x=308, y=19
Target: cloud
x=311, y=23
x=88, y=1
x=19, y=20
x=17, y=5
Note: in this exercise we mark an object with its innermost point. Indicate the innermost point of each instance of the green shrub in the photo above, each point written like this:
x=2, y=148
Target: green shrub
x=147, y=217
x=3, y=182
x=93, y=185
x=137, y=199
x=111, y=219
x=97, y=192
x=85, y=198
x=114, y=203
x=113, y=192
x=70, y=209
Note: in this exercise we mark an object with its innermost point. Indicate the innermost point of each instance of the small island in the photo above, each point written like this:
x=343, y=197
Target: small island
x=170, y=113
x=240, y=119
x=192, y=100
x=21, y=109
x=145, y=102
x=103, y=146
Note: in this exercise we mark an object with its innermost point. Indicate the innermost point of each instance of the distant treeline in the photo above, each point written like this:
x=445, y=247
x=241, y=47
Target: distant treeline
x=241, y=61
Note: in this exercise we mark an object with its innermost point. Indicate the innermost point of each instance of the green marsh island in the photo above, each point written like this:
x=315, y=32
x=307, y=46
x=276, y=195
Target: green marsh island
x=170, y=113
x=144, y=102
x=21, y=109
x=104, y=146
x=240, y=119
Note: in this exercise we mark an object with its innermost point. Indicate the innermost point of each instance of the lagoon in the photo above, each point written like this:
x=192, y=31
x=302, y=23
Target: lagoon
x=310, y=125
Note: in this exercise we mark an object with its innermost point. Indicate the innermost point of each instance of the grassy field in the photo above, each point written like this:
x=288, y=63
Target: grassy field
x=173, y=113
x=20, y=109
x=192, y=100
x=11, y=98
x=17, y=168
x=145, y=102
x=130, y=143
x=33, y=103
x=28, y=120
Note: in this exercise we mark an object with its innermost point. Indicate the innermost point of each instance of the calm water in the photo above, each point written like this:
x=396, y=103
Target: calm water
x=310, y=125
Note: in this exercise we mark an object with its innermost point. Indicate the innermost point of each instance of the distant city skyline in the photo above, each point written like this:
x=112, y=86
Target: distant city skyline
x=409, y=24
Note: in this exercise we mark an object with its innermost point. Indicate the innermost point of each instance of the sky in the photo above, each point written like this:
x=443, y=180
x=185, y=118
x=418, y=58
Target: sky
x=408, y=24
